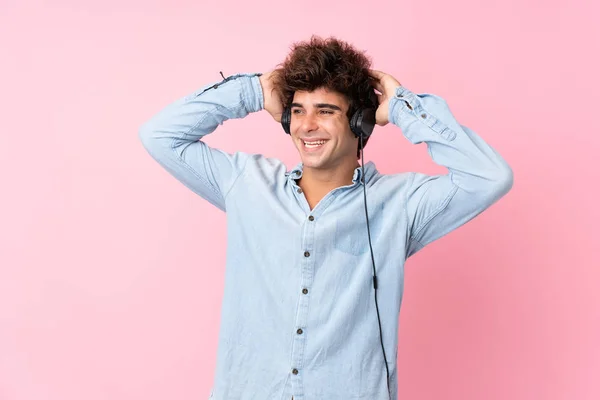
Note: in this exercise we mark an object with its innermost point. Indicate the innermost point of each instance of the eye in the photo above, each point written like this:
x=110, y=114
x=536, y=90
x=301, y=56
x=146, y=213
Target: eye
x=327, y=111
x=296, y=111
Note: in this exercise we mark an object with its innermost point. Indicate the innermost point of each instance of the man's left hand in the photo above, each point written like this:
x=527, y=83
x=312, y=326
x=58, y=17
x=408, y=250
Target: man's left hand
x=386, y=85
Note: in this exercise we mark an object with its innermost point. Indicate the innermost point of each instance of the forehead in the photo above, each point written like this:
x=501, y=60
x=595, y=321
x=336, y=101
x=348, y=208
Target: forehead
x=320, y=95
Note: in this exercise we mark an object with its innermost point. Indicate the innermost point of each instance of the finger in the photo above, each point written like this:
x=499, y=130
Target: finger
x=376, y=74
x=378, y=86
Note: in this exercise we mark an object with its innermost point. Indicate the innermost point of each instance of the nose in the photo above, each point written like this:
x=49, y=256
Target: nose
x=308, y=122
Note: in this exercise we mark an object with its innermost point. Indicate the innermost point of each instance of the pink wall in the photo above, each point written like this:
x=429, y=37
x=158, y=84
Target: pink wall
x=110, y=288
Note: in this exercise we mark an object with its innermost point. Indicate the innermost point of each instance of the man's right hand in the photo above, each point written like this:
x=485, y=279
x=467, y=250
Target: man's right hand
x=271, y=99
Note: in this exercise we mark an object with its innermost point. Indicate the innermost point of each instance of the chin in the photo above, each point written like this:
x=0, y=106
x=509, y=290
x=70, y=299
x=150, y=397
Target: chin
x=320, y=163
x=310, y=163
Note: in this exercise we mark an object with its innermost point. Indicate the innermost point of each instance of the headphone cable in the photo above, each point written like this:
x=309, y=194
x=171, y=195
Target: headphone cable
x=387, y=371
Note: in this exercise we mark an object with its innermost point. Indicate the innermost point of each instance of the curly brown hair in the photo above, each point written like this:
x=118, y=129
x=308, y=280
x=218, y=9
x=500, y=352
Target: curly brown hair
x=327, y=63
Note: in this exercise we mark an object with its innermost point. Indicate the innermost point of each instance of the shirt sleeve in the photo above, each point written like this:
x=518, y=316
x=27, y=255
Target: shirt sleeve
x=477, y=175
x=173, y=136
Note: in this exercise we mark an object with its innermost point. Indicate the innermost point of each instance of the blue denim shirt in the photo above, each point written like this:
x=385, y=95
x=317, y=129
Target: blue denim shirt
x=298, y=313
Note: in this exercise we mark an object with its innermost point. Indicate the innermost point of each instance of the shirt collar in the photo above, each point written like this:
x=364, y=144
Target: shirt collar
x=370, y=170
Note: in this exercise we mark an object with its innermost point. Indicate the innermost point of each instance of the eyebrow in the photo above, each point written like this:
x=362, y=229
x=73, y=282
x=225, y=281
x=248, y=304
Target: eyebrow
x=319, y=105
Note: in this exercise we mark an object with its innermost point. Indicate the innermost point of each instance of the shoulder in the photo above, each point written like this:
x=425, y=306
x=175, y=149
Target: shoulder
x=260, y=167
x=390, y=181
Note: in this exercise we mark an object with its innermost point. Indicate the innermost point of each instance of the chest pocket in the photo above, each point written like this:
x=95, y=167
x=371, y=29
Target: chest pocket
x=351, y=235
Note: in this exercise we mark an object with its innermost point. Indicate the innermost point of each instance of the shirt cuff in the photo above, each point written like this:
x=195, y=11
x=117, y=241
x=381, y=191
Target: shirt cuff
x=403, y=102
x=407, y=107
x=252, y=93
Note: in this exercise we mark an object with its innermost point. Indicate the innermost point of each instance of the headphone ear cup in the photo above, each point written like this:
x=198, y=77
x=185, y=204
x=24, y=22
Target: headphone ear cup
x=355, y=123
x=368, y=116
x=286, y=119
x=367, y=122
x=363, y=122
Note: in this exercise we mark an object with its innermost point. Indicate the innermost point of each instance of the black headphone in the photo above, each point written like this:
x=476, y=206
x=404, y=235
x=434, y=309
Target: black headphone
x=362, y=121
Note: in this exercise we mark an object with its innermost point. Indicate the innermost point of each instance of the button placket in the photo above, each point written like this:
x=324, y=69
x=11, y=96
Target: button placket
x=306, y=261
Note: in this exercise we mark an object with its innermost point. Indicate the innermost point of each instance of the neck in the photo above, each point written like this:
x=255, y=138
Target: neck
x=325, y=180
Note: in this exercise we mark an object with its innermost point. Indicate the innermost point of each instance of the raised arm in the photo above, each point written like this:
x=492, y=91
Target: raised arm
x=173, y=137
x=477, y=175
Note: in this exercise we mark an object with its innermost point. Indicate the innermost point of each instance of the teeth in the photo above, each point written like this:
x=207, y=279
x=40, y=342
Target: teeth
x=316, y=143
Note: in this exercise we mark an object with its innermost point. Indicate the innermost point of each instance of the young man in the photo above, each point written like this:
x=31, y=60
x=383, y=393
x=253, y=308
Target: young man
x=299, y=317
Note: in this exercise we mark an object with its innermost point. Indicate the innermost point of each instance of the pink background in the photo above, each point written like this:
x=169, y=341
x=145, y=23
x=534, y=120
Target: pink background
x=110, y=282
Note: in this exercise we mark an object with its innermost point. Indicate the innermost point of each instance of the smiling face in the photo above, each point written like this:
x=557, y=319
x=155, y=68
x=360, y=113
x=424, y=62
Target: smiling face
x=321, y=131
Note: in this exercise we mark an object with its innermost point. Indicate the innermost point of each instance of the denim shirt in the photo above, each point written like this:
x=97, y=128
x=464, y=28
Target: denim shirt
x=298, y=313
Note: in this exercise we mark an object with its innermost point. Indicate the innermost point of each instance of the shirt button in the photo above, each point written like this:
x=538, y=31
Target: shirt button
x=423, y=115
x=299, y=331
x=297, y=172
x=306, y=254
x=295, y=371
x=305, y=291
x=299, y=190
x=311, y=218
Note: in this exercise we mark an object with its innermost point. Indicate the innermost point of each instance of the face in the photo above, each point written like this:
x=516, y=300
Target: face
x=321, y=131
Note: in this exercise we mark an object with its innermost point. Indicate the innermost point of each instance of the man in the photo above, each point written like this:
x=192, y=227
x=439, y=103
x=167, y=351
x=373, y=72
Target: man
x=299, y=316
